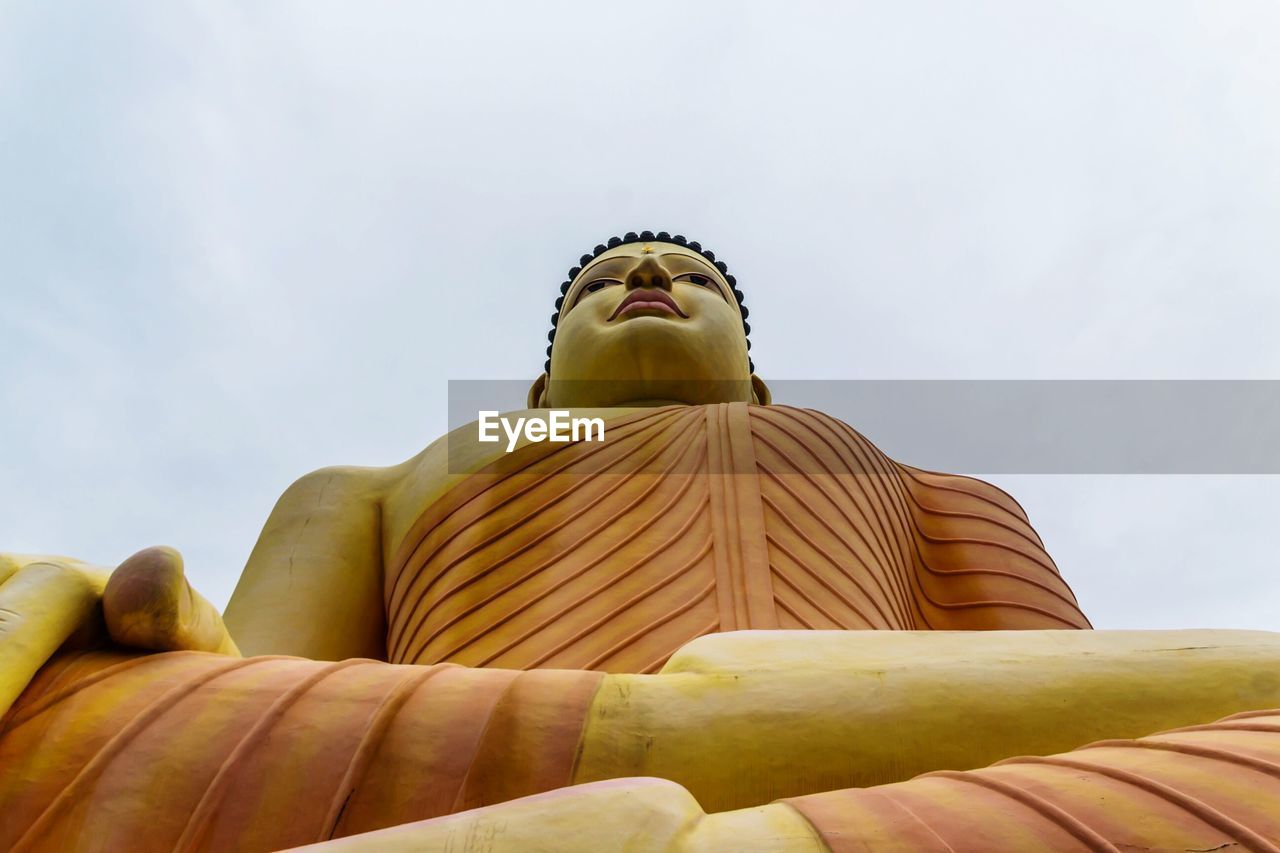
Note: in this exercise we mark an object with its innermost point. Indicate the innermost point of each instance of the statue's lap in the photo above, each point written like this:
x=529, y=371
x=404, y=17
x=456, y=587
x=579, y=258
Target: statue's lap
x=272, y=752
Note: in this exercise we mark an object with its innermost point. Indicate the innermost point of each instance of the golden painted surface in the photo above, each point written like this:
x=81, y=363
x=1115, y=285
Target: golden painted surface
x=859, y=709
x=470, y=628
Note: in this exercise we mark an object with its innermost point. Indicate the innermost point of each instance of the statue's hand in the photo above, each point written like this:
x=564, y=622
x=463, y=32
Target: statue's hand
x=148, y=604
x=47, y=603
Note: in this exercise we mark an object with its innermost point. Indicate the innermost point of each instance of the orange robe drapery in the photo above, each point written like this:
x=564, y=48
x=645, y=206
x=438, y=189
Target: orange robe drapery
x=694, y=519
x=187, y=750
x=1207, y=787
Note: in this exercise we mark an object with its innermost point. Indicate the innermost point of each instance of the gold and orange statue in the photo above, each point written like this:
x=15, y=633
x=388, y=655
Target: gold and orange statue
x=729, y=625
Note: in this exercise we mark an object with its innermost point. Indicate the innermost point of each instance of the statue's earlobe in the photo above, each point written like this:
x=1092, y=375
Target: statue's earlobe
x=537, y=398
x=759, y=391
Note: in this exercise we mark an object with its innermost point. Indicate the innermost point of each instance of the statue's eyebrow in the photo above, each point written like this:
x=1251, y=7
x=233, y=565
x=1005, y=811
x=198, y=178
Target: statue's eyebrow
x=608, y=266
x=715, y=272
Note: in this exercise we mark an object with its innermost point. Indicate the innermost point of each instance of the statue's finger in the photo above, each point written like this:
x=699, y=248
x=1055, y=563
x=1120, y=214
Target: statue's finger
x=41, y=605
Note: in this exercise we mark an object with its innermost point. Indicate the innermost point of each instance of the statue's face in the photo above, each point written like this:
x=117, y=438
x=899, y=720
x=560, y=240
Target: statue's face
x=649, y=321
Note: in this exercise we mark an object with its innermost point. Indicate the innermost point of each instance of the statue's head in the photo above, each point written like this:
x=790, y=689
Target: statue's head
x=648, y=318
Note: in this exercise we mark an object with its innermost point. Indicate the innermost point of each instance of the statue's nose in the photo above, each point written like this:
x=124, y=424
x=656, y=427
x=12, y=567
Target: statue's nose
x=648, y=273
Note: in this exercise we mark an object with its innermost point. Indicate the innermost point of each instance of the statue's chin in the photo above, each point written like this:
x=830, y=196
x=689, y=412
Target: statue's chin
x=697, y=361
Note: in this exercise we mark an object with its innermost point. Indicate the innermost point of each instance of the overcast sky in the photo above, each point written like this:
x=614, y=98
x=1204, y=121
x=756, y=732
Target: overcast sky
x=241, y=242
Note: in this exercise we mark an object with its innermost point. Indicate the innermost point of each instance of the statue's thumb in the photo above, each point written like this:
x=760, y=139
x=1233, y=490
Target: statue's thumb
x=146, y=601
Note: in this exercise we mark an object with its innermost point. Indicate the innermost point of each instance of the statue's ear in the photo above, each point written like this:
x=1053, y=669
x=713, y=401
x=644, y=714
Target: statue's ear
x=759, y=391
x=537, y=398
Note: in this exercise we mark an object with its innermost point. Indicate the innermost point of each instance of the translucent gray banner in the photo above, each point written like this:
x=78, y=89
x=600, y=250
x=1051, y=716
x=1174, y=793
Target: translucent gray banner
x=997, y=426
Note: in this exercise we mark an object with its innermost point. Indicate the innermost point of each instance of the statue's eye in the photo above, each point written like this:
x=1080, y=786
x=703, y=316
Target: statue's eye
x=694, y=278
x=592, y=287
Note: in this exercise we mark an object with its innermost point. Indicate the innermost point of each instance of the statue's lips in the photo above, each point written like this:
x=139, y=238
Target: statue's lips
x=648, y=300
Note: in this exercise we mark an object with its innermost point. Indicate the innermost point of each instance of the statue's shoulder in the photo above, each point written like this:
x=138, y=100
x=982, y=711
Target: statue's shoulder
x=982, y=562
x=336, y=485
x=928, y=489
x=963, y=490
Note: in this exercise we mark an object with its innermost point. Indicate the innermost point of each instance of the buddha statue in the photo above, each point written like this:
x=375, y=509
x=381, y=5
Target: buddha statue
x=724, y=624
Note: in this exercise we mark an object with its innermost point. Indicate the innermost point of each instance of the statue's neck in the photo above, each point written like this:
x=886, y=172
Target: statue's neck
x=650, y=402
x=638, y=394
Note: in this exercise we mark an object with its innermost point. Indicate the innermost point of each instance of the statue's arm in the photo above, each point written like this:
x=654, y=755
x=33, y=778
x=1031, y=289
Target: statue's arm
x=745, y=717
x=313, y=583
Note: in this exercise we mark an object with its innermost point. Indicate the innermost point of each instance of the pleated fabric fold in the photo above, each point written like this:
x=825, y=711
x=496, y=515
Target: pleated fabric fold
x=193, y=751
